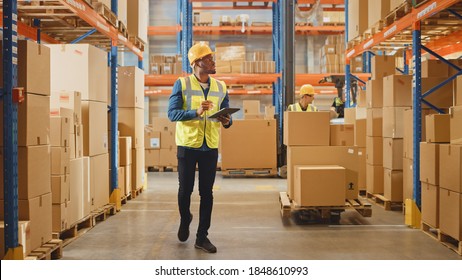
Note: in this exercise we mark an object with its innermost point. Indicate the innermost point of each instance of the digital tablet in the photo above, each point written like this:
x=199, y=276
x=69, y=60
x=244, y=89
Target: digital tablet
x=224, y=111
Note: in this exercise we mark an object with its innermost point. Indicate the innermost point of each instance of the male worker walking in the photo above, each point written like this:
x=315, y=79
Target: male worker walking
x=193, y=99
x=307, y=94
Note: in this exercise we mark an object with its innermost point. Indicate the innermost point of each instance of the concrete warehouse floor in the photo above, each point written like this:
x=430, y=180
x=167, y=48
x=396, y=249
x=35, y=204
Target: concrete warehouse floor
x=247, y=225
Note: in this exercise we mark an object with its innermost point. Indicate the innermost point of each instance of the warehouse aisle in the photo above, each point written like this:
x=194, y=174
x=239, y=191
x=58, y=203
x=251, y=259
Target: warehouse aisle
x=247, y=224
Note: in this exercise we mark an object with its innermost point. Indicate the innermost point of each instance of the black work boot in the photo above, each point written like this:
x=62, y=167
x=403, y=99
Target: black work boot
x=205, y=245
x=183, y=231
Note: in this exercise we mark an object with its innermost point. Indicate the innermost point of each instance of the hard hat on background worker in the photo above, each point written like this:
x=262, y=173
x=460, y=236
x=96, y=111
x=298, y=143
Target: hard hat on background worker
x=198, y=51
x=307, y=89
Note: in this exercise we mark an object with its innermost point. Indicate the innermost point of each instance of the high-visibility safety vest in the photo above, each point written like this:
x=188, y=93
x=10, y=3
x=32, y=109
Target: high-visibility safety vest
x=191, y=133
x=297, y=108
x=338, y=102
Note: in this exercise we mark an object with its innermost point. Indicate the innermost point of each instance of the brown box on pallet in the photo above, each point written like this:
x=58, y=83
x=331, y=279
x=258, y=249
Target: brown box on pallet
x=438, y=128
x=167, y=68
x=429, y=163
x=397, y=91
x=23, y=237
x=342, y=134
x=374, y=93
x=137, y=168
x=152, y=157
x=360, y=133
x=408, y=133
x=374, y=179
x=251, y=106
x=121, y=181
x=382, y=66
x=168, y=157
x=450, y=167
x=362, y=169
x=441, y=98
x=456, y=125
x=131, y=123
x=450, y=218
x=60, y=131
x=320, y=185
x=434, y=68
x=138, y=18
x=99, y=180
x=59, y=160
x=95, y=137
x=33, y=67
x=162, y=124
x=393, y=126
x=128, y=179
x=374, y=150
x=59, y=215
x=346, y=157
x=33, y=120
x=393, y=185
x=458, y=91
x=37, y=211
x=70, y=100
x=34, y=169
x=157, y=58
x=151, y=138
x=393, y=153
x=408, y=179
x=236, y=154
x=374, y=125
x=155, y=69
x=430, y=204
x=377, y=11
x=79, y=190
x=131, y=87
x=60, y=188
x=310, y=121
x=358, y=20
x=349, y=115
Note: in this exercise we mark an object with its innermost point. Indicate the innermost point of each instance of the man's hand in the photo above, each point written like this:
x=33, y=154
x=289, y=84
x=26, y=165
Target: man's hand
x=224, y=119
x=205, y=106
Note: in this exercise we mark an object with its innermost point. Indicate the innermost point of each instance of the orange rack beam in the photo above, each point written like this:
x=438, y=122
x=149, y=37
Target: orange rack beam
x=424, y=11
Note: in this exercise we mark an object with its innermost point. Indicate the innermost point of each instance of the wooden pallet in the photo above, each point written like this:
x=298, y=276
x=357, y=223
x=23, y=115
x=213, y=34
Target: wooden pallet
x=397, y=13
x=136, y=192
x=106, y=13
x=318, y=214
x=202, y=24
x=269, y=172
x=333, y=23
x=74, y=231
x=387, y=204
x=450, y=242
x=137, y=42
x=101, y=214
x=431, y=231
x=362, y=193
x=122, y=29
x=261, y=24
x=225, y=23
x=162, y=168
x=126, y=198
x=52, y=250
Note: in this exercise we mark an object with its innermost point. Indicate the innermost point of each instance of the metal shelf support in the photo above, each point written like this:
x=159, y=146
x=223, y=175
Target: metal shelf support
x=10, y=128
x=406, y=65
x=83, y=36
x=178, y=23
x=417, y=113
x=187, y=33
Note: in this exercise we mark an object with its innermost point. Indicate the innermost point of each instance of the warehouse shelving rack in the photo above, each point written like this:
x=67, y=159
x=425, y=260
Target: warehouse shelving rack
x=416, y=29
x=53, y=21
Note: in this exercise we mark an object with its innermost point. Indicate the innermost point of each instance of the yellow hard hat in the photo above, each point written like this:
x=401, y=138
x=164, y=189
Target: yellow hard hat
x=307, y=89
x=198, y=51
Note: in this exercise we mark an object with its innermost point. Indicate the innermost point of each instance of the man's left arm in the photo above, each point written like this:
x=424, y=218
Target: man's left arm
x=226, y=121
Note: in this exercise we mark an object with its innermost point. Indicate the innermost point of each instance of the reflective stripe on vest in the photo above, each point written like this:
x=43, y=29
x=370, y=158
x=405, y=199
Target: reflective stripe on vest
x=338, y=102
x=191, y=133
x=297, y=108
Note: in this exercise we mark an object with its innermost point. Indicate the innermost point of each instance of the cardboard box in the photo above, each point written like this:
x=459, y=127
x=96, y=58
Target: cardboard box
x=393, y=126
x=60, y=131
x=37, y=211
x=125, y=147
x=408, y=179
x=309, y=121
x=375, y=179
x=88, y=74
x=430, y=204
x=128, y=178
x=168, y=157
x=99, y=180
x=23, y=237
x=33, y=120
x=358, y=21
x=137, y=19
x=441, y=98
x=131, y=87
x=458, y=92
x=71, y=100
x=450, y=217
x=377, y=11
x=34, y=167
x=429, y=163
x=437, y=128
x=79, y=141
x=59, y=217
x=78, y=186
x=393, y=153
x=342, y=134
x=374, y=150
x=450, y=167
x=374, y=122
x=456, y=125
x=393, y=185
x=138, y=168
x=397, y=91
x=319, y=185
x=151, y=138
x=162, y=124
x=382, y=66
x=33, y=67
x=362, y=169
x=167, y=139
x=95, y=138
x=346, y=157
x=254, y=117
x=434, y=68
x=409, y=130
x=350, y=115
x=60, y=189
x=120, y=180
x=59, y=160
x=236, y=153
x=270, y=112
x=131, y=123
x=152, y=158
x=251, y=107
x=360, y=133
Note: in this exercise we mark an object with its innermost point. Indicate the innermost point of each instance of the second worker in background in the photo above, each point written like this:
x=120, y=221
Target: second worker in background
x=306, y=100
x=193, y=99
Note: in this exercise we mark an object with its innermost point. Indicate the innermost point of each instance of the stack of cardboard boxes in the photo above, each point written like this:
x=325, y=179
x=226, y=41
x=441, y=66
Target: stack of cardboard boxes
x=165, y=64
x=34, y=153
x=160, y=146
x=131, y=118
x=125, y=163
x=229, y=57
x=258, y=64
x=138, y=18
x=328, y=153
x=333, y=55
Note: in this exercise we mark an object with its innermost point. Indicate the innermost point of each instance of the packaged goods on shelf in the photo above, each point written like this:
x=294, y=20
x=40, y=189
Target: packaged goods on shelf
x=430, y=204
x=226, y=20
x=357, y=18
x=131, y=87
x=429, y=163
x=155, y=68
x=374, y=179
x=438, y=128
x=392, y=153
x=377, y=10
x=333, y=18
x=398, y=91
x=393, y=126
x=393, y=185
x=137, y=19
x=450, y=218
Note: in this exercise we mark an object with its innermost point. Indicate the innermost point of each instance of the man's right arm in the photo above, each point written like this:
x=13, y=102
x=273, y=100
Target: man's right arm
x=175, y=105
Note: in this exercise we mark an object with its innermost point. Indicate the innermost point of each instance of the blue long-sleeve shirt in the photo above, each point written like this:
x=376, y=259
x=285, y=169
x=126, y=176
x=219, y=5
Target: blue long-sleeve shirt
x=176, y=112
